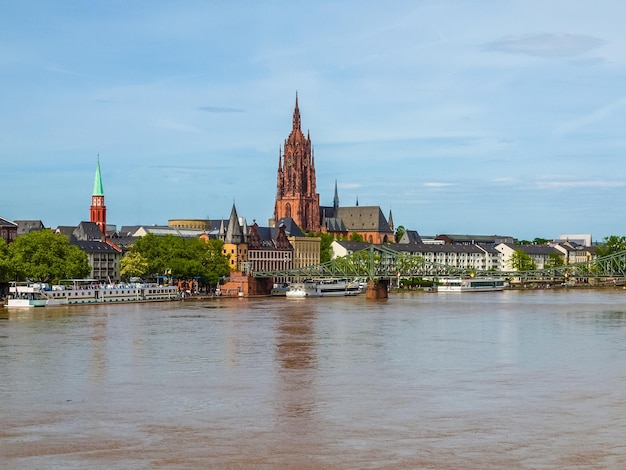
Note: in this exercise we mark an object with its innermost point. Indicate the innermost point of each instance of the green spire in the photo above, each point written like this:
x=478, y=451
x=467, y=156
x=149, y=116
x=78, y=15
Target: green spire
x=97, y=183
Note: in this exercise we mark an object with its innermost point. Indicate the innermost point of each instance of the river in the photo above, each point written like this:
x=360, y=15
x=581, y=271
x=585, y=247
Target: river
x=527, y=380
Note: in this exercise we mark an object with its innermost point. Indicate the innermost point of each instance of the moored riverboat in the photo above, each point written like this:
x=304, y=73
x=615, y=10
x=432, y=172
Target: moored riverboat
x=88, y=291
x=324, y=288
x=458, y=284
x=82, y=291
x=23, y=295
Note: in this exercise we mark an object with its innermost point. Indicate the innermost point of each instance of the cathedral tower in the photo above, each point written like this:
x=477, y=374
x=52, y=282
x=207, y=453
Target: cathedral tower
x=295, y=194
x=98, y=211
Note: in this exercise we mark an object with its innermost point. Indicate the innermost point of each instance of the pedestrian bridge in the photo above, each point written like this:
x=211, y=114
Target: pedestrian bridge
x=380, y=262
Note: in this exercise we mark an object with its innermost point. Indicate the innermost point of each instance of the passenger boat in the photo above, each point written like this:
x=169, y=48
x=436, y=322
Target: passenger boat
x=25, y=296
x=88, y=291
x=82, y=291
x=296, y=291
x=280, y=290
x=471, y=284
x=324, y=288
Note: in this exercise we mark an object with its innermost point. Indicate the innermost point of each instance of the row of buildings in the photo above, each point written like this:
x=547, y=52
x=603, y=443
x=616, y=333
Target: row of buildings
x=483, y=253
x=286, y=242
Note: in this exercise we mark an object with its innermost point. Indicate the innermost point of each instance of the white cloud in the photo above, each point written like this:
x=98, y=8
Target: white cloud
x=436, y=184
x=579, y=184
x=547, y=45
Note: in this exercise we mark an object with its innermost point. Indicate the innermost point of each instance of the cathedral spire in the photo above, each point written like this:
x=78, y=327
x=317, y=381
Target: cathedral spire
x=296, y=115
x=336, y=199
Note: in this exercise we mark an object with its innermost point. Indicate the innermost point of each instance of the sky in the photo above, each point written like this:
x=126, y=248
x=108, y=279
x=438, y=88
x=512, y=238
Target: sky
x=483, y=117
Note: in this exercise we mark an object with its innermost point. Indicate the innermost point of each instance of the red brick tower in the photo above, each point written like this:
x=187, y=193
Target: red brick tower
x=295, y=194
x=98, y=211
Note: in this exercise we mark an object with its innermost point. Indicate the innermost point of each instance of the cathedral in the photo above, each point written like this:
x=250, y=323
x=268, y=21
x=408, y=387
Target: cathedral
x=296, y=197
x=295, y=193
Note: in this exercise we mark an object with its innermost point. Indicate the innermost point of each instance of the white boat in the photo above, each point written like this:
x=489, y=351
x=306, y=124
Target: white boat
x=280, y=290
x=296, y=291
x=324, y=288
x=87, y=291
x=471, y=284
x=83, y=291
x=25, y=296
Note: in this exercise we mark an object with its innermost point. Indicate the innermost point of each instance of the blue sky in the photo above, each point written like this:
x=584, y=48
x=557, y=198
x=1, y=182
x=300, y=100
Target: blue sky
x=484, y=117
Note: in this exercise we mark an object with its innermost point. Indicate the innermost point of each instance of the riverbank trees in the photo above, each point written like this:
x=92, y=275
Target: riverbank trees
x=179, y=258
x=42, y=256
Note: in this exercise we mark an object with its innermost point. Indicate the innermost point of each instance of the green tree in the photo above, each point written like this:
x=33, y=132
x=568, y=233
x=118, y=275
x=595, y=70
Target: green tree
x=356, y=237
x=554, y=261
x=326, y=252
x=521, y=261
x=610, y=245
x=133, y=264
x=47, y=256
x=6, y=271
x=399, y=233
x=182, y=258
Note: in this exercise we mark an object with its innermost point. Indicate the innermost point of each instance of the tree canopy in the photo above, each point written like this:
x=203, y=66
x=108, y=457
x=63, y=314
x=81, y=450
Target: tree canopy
x=326, y=252
x=610, y=245
x=45, y=256
x=399, y=233
x=521, y=261
x=5, y=262
x=182, y=258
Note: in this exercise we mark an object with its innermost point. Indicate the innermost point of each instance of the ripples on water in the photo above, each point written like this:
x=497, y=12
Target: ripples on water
x=494, y=380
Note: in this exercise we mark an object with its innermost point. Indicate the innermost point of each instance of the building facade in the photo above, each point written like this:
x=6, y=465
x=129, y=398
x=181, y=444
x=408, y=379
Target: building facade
x=98, y=210
x=234, y=235
x=8, y=230
x=296, y=195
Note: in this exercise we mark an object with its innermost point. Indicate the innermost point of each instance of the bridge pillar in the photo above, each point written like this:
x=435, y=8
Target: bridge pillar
x=377, y=290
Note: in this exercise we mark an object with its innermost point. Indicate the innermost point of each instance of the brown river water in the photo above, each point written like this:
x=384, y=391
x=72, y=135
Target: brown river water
x=522, y=380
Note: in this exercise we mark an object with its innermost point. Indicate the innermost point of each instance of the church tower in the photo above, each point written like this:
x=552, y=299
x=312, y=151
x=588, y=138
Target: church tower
x=98, y=211
x=296, y=186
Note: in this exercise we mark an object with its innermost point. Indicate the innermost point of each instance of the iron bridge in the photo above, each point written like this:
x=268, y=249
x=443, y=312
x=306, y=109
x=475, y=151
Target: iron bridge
x=380, y=262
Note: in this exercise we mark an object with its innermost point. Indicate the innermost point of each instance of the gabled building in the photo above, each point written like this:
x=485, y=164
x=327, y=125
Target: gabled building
x=410, y=236
x=366, y=221
x=575, y=253
x=306, y=250
x=233, y=233
x=8, y=230
x=103, y=254
x=269, y=249
x=540, y=254
x=27, y=226
x=104, y=259
x=87, y=231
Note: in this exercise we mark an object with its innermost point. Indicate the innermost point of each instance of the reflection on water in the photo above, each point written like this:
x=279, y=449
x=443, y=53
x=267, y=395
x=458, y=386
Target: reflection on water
x=495, y=380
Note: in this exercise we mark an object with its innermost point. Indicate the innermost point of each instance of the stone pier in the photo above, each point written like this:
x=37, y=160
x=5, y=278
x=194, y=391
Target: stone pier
x=377, y=290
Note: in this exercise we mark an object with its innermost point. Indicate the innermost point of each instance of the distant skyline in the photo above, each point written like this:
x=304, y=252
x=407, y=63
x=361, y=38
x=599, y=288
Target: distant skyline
x=460, y=117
